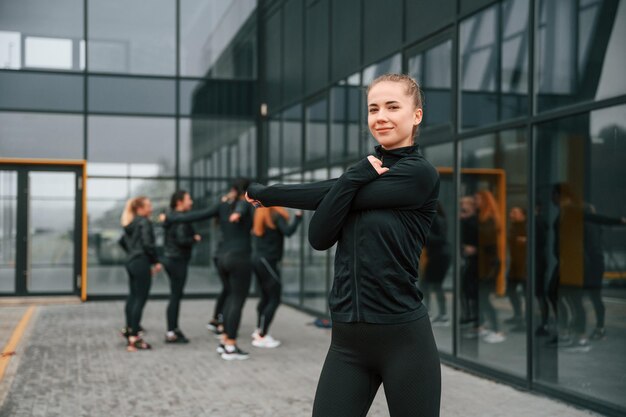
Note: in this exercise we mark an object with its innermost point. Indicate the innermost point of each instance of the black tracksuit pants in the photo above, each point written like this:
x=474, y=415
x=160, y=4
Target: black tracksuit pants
x=177, y=272
x=403, y=357
x=270, y=286
x=218, y=315
x=140, y=280
x=235, y=271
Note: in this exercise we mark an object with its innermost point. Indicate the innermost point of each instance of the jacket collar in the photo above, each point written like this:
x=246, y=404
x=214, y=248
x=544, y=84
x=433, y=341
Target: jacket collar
x=392, y=156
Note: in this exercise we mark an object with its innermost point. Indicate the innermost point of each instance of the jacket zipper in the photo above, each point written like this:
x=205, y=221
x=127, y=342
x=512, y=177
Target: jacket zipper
x=356, y=284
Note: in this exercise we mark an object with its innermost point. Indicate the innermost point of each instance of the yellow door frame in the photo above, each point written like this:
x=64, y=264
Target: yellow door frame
x=83, y=166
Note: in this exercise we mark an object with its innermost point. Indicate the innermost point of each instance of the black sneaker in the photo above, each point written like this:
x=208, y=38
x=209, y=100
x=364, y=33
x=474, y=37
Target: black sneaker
x=177, y=337
x=542, y=331
x=220, y=349
x=232, y=352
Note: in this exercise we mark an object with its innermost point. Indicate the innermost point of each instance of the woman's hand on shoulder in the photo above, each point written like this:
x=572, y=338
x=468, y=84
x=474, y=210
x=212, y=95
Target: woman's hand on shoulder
x=255, y=203
x=377, y=164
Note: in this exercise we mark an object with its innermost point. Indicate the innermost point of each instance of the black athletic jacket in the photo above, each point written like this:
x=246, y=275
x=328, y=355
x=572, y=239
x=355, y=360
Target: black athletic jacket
x=271, y=244
x=380, y=224
x=179, y=239
x=235, y=236
x=138, y=240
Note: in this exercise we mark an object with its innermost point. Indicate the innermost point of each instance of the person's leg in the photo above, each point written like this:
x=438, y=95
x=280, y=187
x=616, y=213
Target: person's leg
x=239, y=277
x=486, y=307
x=262, y=276
x=411, y=371
x=595, y=294
x=273, y=289
x=177, y=271
x=347, y=386
x=511, y=292
x=218, y=315
x=441, y=298
x=143, y=280
x=131, y=298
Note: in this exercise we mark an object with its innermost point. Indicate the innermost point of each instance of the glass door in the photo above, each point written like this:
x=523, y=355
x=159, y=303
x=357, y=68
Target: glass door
x=40, y=229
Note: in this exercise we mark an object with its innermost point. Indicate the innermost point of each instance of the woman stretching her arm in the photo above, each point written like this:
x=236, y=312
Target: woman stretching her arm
x=379, y=213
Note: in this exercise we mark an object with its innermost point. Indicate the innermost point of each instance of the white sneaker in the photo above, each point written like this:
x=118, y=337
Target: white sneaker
x=232, y=353
x=267, y=342
x=482, y=332
x=255, y=333
x=494, y=338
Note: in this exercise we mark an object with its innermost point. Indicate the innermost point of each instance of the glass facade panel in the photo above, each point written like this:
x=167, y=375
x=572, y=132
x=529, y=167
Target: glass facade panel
x=274, y=148
x=292, y=259
x=588, y=66
x=345, y=103
x=436, y=265
x=41, y=35
x=218, y=38
x=292, y=139
x=316, y=131
x=132, y=37
x=22, y=91
x=136, y=146
x=494, y=64
x=493, y=210
x=432, y=68
x=581, y=253
x=38, y=135
x=132, y=95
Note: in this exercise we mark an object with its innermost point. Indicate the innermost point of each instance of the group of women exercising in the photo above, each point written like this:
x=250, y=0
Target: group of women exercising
x=378, y=212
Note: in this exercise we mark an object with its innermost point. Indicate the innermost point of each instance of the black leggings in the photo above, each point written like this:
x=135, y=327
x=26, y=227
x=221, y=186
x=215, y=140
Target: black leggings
x=236, y=273
x=403, y=357
x=177, y=272
x=140, y=279
x=270, y=285
x=218, y=314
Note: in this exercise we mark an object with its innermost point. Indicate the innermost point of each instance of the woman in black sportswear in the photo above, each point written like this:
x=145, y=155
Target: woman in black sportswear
x=232, y=259
x=269, y=230
x=379, y=213
x=141, y=264
x=179, y=241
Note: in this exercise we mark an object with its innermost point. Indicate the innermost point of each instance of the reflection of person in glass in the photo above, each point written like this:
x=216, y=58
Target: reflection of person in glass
x=437, y=266
x=141, y=264
x=489, y=262
x=270, y=229
x=577, y=239
x=541, y=265
x=378, y=213
x=232, y=260
x=179, y=241
x=469, y=252
x=516, y=276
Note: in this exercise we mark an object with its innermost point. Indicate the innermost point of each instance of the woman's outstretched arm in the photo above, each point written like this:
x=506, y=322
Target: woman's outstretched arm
x=298, y=196
x=331, y=214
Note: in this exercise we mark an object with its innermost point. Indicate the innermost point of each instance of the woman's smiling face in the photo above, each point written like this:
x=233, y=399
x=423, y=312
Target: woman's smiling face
x=392, y=115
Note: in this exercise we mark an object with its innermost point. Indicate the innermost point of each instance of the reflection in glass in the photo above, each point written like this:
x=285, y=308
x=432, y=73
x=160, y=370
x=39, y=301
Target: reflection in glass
x=432, y=69
x=274, y=147
x=36, y=135
x=292, y=139
x=389, y=65
x=345, y=104
x=132, y=37
x=493, y=180
x=8, y=229
x=494, y=64
x=316, y=135
x=49, y=31
x=588, y=66
x=582, y=205
x=51, y=237
x=436, y=272
x=145, y=144
x=218, y=38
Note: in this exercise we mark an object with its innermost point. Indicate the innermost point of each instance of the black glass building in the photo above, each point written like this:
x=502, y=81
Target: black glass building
x=525, y=119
